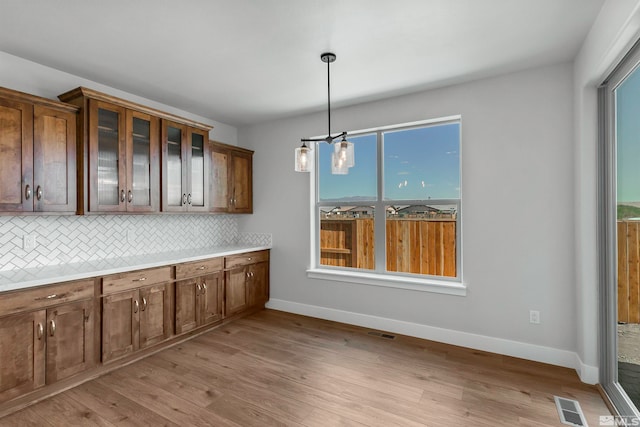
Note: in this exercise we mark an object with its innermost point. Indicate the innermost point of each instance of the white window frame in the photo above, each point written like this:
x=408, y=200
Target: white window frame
x=380, y=277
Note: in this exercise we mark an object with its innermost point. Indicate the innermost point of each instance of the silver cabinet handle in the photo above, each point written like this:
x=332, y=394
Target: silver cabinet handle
x=136, y=306
x=202, y=267
x=40, y=331
x=39, y=192
x=144, y=303
x=184, y=199
x=249, y=259
x=52, y=327
x=204, y=287
x=198, y=288
x=142, y=279
x=27, y=192
x=122, y=199
x=130, y=198
x=189, y=199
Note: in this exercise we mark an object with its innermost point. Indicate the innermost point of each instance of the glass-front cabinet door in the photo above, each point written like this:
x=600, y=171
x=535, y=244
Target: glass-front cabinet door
x=107, y=157
x=198, y=151
x=174, y=182
x=142, y=162
x=184, y=169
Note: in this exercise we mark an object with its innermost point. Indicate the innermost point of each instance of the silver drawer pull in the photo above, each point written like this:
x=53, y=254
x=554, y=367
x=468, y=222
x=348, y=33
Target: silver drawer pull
x=202, y=267
x=40, y=331
x=52, y=296
x=142, y=279
x=249, y=259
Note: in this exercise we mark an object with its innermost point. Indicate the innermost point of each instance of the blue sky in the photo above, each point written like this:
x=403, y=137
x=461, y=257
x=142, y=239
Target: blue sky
x=628, y=138
x=419, y=163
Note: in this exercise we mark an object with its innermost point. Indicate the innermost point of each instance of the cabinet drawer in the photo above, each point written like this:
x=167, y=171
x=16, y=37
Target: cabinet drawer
x=244, y=259
x=135, y=279
x=198, y=268
x=44, y=296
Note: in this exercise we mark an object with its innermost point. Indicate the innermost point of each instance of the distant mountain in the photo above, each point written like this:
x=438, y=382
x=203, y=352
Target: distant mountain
x=628, y=211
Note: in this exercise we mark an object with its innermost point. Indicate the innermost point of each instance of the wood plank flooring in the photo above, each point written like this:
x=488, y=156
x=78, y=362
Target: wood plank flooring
x=275, y=368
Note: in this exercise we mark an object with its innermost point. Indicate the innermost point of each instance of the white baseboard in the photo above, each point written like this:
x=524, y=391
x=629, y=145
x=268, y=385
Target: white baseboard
x=553, y=356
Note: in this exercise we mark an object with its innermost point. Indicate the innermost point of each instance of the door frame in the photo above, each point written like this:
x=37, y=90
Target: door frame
x=607, y=234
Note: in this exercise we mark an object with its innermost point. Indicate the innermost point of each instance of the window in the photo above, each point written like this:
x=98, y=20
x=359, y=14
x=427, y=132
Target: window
x=397, y=211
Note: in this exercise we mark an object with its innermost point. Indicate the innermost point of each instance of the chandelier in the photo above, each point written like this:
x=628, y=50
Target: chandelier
x=343, y=156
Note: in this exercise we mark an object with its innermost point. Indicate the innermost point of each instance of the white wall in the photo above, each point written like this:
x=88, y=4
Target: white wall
x=517, y=216
x=27, y=76
x=612, y=35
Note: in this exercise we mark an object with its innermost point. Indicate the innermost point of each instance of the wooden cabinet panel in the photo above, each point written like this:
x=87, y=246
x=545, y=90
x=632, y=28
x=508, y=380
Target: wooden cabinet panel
x=199, y=301
x=135, y=279
x=219, y=193
x=22, y=356
x=69, y=340
x=242, y=183
x=258, y=287
x=199, y=268
x=54, y=160
x=235, y=291
x=16, y=161
x=211, y=298
x=231, y=179
x=155, y=315
x=186, y=306
x=245, y=259
x=120, y=324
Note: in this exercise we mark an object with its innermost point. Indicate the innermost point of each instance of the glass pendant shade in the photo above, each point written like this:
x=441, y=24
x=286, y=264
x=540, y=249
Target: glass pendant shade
x=303, y=158
x=344, y=150
x=338, y=165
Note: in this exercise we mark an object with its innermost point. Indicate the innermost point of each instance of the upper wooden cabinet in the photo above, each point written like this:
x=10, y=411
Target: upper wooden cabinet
x=38, y=161
x=185, y=168
x=231, y=179
x=119, y=150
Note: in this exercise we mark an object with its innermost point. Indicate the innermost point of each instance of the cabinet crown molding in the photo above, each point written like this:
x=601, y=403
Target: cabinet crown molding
x=83, y=92
x=26, y=97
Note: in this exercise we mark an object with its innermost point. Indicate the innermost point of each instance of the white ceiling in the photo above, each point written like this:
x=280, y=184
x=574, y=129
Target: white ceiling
x=248, y=61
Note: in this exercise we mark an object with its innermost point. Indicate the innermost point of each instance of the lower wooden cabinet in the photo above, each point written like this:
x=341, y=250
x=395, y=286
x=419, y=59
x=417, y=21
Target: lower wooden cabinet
x=69, y=340
x=198, y=302
x=246, y=281
x=134, y=316
x=53, y=332
x=49, y=343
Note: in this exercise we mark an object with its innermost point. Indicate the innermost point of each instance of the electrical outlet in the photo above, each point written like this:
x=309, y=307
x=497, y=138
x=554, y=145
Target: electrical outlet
x=29, y=242
x=534, y=317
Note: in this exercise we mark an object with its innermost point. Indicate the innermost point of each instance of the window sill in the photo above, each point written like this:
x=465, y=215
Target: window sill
x=390, y=281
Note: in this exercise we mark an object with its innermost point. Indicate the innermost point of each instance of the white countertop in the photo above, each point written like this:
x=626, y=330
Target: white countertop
x=26, y=278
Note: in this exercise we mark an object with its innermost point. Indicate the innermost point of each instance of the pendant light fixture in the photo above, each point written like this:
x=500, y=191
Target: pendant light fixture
x=343, y=156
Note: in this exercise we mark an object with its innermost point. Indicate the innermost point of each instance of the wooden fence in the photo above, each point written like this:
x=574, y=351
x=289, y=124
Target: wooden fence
x=629, y=271
x=413, y=245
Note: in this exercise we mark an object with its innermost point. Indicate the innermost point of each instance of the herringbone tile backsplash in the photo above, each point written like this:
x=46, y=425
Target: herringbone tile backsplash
x=67, y=239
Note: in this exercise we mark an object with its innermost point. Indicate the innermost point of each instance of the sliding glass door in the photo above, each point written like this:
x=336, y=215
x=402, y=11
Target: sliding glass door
x=619, y=243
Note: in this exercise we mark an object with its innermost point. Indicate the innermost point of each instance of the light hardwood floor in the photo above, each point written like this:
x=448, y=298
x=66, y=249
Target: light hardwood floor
x=274, y=368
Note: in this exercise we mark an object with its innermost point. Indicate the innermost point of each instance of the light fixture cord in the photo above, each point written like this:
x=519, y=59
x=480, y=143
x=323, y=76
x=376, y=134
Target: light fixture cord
x=329, y=95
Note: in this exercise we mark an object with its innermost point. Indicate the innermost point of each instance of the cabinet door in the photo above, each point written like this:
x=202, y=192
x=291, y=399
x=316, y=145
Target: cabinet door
x=16, y=160
x=54, y=160
x=69, y=340
x=242, y=200
x=143, y=162
x=120, y=324
x=186, y=305
x=21, y=354
x=155, y=315
x=210, y=300
x=219, y=190
x=198, y=174
x=235, y=291
x=258, y=287
x=174, y=167
x=107, y=157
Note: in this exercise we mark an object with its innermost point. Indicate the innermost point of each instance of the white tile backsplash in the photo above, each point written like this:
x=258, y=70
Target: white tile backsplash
x=67, y=239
